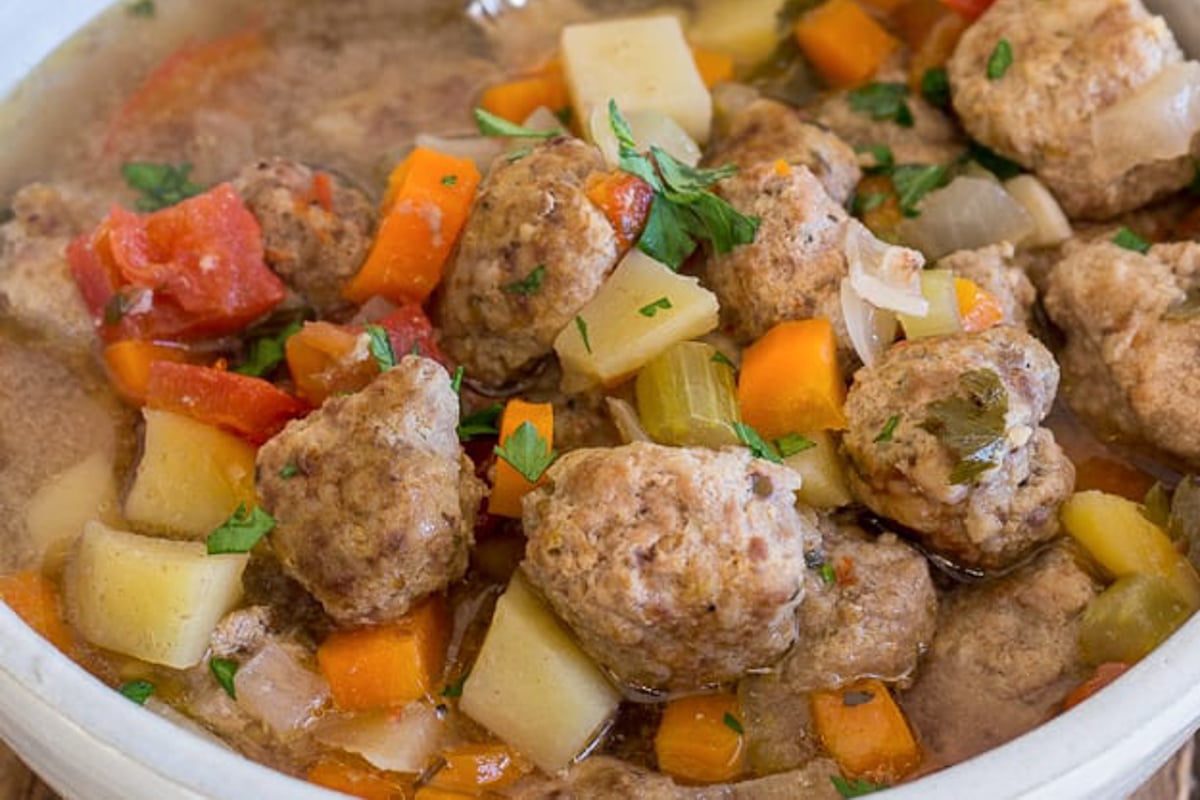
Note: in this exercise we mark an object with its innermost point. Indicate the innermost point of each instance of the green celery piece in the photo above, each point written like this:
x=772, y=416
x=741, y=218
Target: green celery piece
x=685, y=398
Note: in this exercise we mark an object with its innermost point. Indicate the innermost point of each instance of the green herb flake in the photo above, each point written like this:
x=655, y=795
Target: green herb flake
x=516, y=155
x=759, y=447
x=480, y=423
x=161, y=185
x=857, y=698
x=449, y=180
x=142, y=8
x=381, y=347
x=827, y=573
x=223, y=669
x=733, y=723
x=866, y=203
x=289, y=471
x=882, y=156
x=491, y=125
x=527, y=452
x=528, y=285
x=1000, y=60
x=935, y=87
x=793, y=443
x=914, y=181
x=267, y=353
x=971, y=425
x=883, y=101
x=857, y=787
x=137, y=691
x=1003, y=168
x=115, y=309
x=650, y=309
x=241, y=531
x=565, y=115
x=1131, y=241
x=720, y=358
x=455, y=689
x=581, y=326
x=457, y=379
x=889, y=428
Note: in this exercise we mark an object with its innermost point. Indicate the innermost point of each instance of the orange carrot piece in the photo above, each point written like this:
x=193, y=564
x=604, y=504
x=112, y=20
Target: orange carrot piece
x=886, y=6
x=624, y=200
x=714, y=67
x=978, y=309
x=387, y=665
x=428, y=197
x=128, y=365
x=33, y=598
x=791, y=381
x=434, y=793
x=325, y=359
x=844, y=43
x=1101, y=677
x=699, y=739
x=357, y=781
x=515, y=100
x=471, y=768
x=865, y=731
x=510, y=485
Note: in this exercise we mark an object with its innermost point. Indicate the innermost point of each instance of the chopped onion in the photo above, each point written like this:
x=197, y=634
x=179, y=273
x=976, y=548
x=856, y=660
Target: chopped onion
x=887, y=276
x=871, y=329
x=1156, y=123
x=967, y=214
x=480, y=149
x=276, y=689
x=938, y=286
x=542, y=119
x=649, y=128
x=397, y=741
x=1050, y=224
x=629, y=425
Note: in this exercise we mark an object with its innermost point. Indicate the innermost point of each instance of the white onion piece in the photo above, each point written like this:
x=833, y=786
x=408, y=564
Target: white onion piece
x=887, y=276
x=648, y=128
x=543, y=119
x=480, y=149
x=1050, y=224
x=872, y=330
x=276, y=689
x=1156, y=123
x=374, y=309
x=968, y=214
x=626, y=418
x=730, y=99
x=397, y=741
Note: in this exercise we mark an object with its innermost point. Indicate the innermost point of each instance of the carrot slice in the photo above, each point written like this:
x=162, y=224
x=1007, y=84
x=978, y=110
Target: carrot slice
x=714, y=67
x=1101, y=677
x=624, y=200
x=865, y=731
x=471, y=768
x=978, y=309
x=510, y=485
x=128, y=364
x=357, y=781
x=33, y=598
x=700, y=740
x=843, y=42
x=515, y=100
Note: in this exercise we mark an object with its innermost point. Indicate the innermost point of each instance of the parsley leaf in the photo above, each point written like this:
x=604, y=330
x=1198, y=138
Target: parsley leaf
x=142, y=8
x=720, y=358
x=971, y=425
x=733, y=723
x=883, y=101
x=1003, y=168
x=1000, y=60
x=530, y=284
x=449, y=180
x=793, y=443
x=480, y=423
x=455, y=689
x=581, y=326
x=381, y=347
x=935, y=87
x=516, y=155
x=759, y=447
x=241, y=531
x=650, y=309
x=456, y=380
x=289, y=471
x=267, y=352
x=491, y=125
x=137, y=691
x=161, y=185
x=223, y=669
x=527, y=452
x=855, y=788
x=828, y=574
x=881, y=153
x=1131, y=241
x=889, y=428
x=914, y=181
x=866, y=203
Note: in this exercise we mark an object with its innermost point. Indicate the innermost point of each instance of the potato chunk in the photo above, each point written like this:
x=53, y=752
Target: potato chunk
x=747, y=30
x=58, y=510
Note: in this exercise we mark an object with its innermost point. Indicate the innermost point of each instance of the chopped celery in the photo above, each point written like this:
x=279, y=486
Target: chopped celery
x=1130, y=618
x=937, y=287
x=686, y=398
x=823, y=482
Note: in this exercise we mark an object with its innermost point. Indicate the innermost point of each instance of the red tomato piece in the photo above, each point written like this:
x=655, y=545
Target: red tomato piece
x=408, y=328
x=971, y=9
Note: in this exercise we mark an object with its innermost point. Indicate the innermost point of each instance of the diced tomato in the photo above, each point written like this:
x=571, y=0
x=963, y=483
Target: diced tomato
x=971, y=9
x=409, y=330
x=195, y=269
x=250, y=407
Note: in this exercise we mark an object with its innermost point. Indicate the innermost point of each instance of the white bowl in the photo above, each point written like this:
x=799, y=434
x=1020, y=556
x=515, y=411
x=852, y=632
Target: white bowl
x=87, y=741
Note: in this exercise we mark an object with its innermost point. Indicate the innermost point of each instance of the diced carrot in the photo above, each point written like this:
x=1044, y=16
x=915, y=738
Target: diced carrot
x=428, y=197
x=791, y=381
x=699, y=739
x=515, y=100
x=33, y=598
x=357, y=780
x=128, y=364
x=325, y=359
x=472, y=768
x=931, y=30
x=782, y=168
x=886, y=6
x=714, y=67
x=510, y=485
x=1101, y=677
x=624, y=200
x=971, y=9
x=843, y=42
x=978, y=309
x=865, y=731
x=385, y=666
x=434, y=793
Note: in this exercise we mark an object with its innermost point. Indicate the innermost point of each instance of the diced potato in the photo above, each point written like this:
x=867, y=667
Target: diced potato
x=643, y=63
x=403, y=740
x=533, y=687
x=823, y=480
x=1050, y=224
x=686, y=398
x=154, y=599
x=191, y=477
x=747, y=30
x=937, y=287
x=627, y=323
x=649, y=129
x=1129, y=619
x=58, y=510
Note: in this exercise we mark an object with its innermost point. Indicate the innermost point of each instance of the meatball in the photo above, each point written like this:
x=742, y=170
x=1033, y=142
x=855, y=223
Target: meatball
x=316, y=230
x=875, y=620
x=933, y=137
x=766, y=131
x=992, y=268
x=533, y=252
x=944, y=438
x=377, y=505
x=1132, y=338
x=677, y=568
x=1005, y=655
x=1071, y=61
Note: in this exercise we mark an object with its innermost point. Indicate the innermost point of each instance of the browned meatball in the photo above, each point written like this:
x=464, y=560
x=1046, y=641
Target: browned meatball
x=1132, y=338
x=766, y=131
x=1070, y=61
x=676, y=568
x=1005, y=655
x=316, y=230
x=966, y=464
x=993, y=270
x=380, y=509
x=533, y=251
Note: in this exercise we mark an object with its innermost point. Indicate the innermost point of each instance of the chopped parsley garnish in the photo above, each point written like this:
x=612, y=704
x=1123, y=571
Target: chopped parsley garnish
x=137, y=691
x=913, y=182
x=1003, y=168
x=456, y=380
x=223, y=669
x=883, y=101
x=241, y=531
x=827, y=573
x=793, y=443
x=856, y=787
x=650, y=309
x=455, y=689
x=866, y=203
x=115, y=309
x=856, y=698
x=142, y=8
x=449, y=180
x=935, y=87
x=889, y=428
x=881, y=153
x=733, y=723
x=1000, y=60
x=161, y=185
x=565, y=115
x=518, y=154
x=1131, y=241
x=289, y=471
x=491, y=125
x=971, y=425
x=267, y=352
x=527, y=452
x=480, y=423
x=381, y=347
x=530, y=284
x=581, y=326
x=759, y=447
x=720, y=358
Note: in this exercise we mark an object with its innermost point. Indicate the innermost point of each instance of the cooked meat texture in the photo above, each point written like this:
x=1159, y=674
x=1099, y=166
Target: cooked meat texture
x=874, y=621
x=381, y=510
x=316, y=229
x=676, y=568
x=1005, y=655
x=794, y=267
x=767, y=131
x=1132, y=338
x=531, y=215
x=933, y=137
x=36, y=287
x=241, y=631
x=991, y=519
x=1071, y=61
x=994, y=270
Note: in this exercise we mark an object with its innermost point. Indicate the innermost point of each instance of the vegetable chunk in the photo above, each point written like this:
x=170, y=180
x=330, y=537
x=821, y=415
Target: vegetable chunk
x=866, y=732
x=700, y=739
